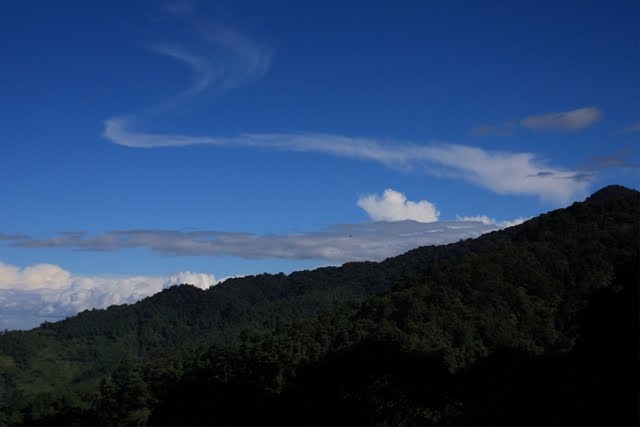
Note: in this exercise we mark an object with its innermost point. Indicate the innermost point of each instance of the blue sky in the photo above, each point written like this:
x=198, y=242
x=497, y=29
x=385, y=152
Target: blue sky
x=153, y=140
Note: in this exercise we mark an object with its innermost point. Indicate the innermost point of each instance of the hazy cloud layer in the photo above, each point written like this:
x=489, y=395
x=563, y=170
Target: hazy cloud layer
x=337, y=243
x=394, y=206
x=486, y=220
x=566, y=121
x=33, y=294
x=619, y=160
x=501, y=172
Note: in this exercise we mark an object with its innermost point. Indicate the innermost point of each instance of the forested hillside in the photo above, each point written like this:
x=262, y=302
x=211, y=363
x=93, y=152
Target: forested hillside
x=489, y=330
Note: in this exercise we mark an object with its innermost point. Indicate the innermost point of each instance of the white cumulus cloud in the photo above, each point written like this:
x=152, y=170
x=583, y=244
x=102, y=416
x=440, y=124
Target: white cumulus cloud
x=33, y=277
x=394, y=206
x=200, y=280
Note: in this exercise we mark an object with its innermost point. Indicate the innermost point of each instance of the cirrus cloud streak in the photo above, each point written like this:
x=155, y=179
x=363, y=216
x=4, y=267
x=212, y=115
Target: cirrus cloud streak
x=502, y=172
x=228, y=58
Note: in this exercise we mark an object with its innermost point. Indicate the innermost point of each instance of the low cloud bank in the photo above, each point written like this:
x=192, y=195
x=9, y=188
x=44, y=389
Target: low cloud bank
x=46, y=292
x=32, y=294
x=486, y=220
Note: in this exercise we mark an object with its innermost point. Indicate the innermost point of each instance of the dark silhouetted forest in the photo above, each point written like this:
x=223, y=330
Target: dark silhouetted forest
x=534, y=324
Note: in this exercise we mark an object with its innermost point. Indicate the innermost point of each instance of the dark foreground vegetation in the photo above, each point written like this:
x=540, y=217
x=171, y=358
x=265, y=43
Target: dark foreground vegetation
x=534, y=324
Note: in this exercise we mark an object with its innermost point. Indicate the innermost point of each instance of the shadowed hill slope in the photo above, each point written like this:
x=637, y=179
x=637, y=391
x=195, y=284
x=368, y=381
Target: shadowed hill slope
x=520, y=288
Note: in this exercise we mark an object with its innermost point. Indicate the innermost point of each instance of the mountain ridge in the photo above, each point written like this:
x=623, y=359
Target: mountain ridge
x=604, y=195
x=521, y=288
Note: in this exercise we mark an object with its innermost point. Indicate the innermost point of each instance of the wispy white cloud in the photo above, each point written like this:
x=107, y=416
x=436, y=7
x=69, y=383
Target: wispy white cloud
x=236, y=57
x=32, y=294
x=219, y=56
x=394, y=206
x=241, y=58
x=501, y=172
x=203, y=70
x=509, y=173
x=566, y=121
x=232, y=59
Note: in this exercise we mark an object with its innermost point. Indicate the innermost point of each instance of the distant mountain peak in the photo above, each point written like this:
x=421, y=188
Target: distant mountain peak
x=611, y=192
